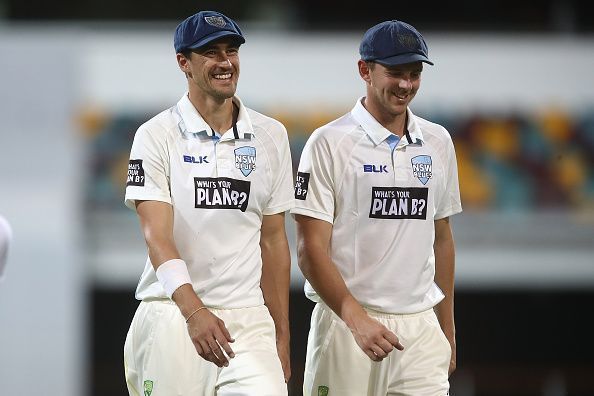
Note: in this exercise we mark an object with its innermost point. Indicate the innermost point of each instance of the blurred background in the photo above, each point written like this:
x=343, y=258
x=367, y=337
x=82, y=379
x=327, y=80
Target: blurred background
x=513, y=82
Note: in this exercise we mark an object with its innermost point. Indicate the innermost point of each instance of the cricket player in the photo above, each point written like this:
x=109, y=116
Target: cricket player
x=210, y=180
x=5, y=240
x=374, y=193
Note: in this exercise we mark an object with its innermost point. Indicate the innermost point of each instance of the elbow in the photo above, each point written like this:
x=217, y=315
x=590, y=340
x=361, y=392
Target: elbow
x=157, y=242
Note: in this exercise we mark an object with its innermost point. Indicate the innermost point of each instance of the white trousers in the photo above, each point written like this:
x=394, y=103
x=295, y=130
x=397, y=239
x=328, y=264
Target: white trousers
x=160, y=359
x=335, y=365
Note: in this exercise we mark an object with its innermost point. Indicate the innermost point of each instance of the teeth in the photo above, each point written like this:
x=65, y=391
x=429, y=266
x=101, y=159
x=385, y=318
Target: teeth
x=222, y=76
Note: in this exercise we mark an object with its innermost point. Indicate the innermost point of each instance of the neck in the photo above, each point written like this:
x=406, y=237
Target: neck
x=395, y=123
x=218, y=114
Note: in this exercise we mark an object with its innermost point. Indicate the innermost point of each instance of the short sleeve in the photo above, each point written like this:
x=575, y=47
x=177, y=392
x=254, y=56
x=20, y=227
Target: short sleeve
x=450, y=203
x=148, y=169
x=315, y=184
x=281, y=197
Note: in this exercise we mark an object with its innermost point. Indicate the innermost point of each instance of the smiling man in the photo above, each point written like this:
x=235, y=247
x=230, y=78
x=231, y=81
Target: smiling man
x=210, y=181
x=374, y=192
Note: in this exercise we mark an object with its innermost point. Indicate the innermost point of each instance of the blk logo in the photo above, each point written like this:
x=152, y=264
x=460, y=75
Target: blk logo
x=375, y=168
x=201, y=159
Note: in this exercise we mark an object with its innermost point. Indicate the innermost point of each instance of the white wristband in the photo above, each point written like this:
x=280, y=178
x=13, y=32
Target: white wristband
x=172, y=274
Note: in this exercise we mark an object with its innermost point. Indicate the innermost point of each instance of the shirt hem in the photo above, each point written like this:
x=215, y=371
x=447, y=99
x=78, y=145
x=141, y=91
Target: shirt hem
x=448, y=213
x=129, y=200
x=313, y=213
x=278, y=209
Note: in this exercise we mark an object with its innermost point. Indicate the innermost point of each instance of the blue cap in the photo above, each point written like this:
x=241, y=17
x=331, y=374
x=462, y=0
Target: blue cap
x=202, y=28
x=393, y=43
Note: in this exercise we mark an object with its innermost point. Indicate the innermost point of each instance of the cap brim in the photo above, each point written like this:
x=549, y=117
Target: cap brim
x=215, y=36
x=403, y=59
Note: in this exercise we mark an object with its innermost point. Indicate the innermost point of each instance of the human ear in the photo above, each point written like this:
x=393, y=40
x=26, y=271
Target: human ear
x=183, y=62
x=364, y=71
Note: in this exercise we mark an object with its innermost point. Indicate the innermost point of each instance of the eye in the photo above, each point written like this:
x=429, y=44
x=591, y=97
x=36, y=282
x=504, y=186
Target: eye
x=209, y=53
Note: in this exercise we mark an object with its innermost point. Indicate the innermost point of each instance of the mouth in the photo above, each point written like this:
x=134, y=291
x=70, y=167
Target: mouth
x=402, y=97
x=222, y=76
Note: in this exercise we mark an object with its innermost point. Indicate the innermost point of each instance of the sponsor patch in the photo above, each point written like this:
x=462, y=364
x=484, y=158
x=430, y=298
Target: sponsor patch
x=422, y=168
x=367, y=168
x=221, y=193
x=201, y=159
x=399, y=203
x=135, y=173
x=301, y=185
x=245, y=159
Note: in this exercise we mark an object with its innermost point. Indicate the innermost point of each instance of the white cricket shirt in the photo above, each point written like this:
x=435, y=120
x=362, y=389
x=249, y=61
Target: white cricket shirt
x=219, y=190
x=382, y=203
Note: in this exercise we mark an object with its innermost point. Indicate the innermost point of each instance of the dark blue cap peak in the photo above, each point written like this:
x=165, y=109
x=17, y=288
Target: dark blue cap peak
x=202, y=28
x=393, y=43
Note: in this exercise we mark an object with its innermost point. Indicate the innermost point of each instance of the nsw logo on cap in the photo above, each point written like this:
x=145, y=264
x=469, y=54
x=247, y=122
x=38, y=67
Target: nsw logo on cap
x=408, y=40
x=216, y=21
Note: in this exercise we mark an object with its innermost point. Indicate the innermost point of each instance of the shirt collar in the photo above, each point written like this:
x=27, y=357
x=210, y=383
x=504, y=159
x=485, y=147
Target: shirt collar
x=376, y=131
x=192, y=124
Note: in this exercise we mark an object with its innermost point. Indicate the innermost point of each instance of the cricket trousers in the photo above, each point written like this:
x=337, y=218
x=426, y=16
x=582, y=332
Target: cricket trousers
x=161, y=360
x=335, y=365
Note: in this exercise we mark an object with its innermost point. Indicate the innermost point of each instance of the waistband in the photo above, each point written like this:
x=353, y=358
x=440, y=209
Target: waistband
x=382, y=315
x=169, y=301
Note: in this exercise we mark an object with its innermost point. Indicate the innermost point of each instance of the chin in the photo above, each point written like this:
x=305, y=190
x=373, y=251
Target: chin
x=398, y=109
x=225, y=95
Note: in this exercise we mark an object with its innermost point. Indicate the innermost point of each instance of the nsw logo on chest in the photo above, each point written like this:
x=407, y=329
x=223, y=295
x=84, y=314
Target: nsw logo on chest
x=422, y=168
x=245, y=159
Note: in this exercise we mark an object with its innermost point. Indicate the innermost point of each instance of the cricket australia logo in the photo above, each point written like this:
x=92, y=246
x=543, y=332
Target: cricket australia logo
x=148, y=388
x=323, y=390
x=215, y=21
x=422, y=168
x=245, y=159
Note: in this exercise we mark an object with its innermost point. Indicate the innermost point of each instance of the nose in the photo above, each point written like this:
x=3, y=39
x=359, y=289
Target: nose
x=405, y=83
x=224, y=60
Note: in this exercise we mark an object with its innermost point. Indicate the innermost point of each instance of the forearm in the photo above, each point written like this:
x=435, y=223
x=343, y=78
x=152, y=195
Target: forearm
x=184, y=296
x=321, y=272
x=275, y=282
x=276, y=271
x=444, y=276
x=162, y=250
x=156, y=222
x=313, y=236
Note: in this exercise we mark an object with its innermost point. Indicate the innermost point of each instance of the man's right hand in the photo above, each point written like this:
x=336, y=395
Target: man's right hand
x=209, y=334
x=372, y=337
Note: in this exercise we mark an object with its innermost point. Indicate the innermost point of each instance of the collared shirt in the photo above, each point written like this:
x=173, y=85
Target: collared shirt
x=219, y=189
x=382, y=195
